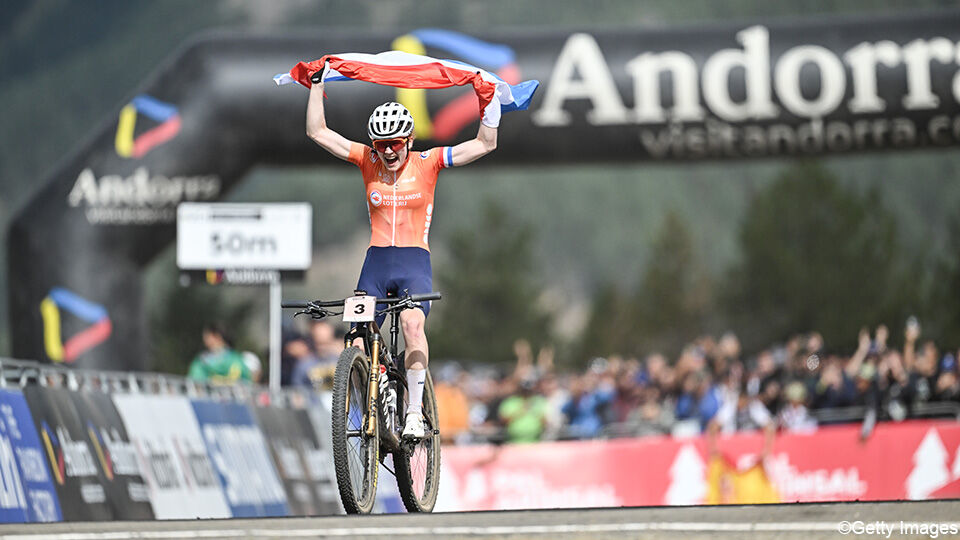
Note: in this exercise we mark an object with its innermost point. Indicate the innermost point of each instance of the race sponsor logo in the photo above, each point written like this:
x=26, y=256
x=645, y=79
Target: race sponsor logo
x=821, y=484
x=241, y=459
x=26, y=492
x=180, y=478
x=165, y=115
x=11, y=487
x=241, y=276
x=376, y=198
x=510, y=487
x=241, y=456
x=60, y=300
x=400, y=199
x=141, y=198
x=746, y=102
x=117, y=455
x=424, y=155
x=68, y=458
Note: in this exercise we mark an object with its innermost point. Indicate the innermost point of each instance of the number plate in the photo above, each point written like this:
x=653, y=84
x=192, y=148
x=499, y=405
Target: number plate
x=359, y=308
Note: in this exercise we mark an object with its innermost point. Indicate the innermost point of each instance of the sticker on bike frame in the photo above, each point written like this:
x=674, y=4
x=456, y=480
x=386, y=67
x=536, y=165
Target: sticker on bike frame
x=359, y=308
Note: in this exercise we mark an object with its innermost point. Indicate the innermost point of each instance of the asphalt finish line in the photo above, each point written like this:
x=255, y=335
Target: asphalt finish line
x=933, y=519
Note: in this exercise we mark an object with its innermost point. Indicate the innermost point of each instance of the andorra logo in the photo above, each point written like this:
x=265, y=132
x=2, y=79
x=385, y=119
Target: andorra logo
x=102, y=450
x=99, y=330
x=54, y=452
x=130, y=146
x=456, y=115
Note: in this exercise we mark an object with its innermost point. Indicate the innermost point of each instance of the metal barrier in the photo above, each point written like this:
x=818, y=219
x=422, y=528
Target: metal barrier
x=108, y=445
x=838, y=415
x=20, y=373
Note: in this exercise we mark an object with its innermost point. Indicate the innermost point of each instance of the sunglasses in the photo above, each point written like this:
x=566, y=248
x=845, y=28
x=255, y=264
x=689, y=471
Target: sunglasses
x=394, y=144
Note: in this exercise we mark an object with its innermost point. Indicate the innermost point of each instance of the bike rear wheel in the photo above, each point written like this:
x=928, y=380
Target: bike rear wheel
x=355, y=455
x=418, y=465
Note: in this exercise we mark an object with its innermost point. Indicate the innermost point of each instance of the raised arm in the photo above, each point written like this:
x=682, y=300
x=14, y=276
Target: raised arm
x=317, y=128
x=475, y=149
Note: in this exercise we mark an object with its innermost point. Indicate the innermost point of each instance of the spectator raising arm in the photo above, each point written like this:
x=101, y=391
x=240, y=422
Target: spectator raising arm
x=863, y=347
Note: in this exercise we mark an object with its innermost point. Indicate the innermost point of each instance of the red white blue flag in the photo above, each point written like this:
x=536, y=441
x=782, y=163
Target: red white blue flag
x=406, y=70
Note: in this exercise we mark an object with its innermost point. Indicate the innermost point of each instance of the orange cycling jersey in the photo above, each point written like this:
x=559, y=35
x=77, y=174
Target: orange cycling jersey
x=400, y=203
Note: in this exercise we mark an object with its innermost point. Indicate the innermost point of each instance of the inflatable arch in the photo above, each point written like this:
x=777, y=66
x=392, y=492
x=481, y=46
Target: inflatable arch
x=753, y=90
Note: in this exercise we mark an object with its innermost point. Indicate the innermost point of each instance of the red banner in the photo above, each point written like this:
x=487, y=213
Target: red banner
x=910, y=460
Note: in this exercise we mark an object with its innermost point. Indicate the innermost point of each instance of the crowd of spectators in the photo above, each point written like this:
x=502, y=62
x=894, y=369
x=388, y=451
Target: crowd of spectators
x=710, y=383
x=309, y=360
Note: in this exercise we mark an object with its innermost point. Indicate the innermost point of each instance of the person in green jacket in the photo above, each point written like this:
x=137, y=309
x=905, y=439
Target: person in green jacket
x=525, y=414
x=219, y=363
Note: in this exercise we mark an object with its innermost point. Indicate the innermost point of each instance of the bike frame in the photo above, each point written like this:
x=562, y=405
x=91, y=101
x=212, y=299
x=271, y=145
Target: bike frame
x=373, y=343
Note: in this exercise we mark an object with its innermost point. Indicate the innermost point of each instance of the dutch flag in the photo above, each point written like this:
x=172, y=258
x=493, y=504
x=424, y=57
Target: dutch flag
x=406, y=70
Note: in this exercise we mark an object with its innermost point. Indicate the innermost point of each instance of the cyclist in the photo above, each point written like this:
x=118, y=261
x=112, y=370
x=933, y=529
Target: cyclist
x=399, y=190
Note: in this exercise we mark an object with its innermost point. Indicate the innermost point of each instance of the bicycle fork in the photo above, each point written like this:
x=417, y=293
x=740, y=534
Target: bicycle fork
x=374, y=387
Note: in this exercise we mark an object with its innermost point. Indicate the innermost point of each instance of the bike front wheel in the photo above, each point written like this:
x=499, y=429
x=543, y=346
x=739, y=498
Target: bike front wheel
x=355, y=454
x=418, y=465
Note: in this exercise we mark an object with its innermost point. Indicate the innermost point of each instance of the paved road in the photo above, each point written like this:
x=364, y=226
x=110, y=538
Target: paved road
x=788, y=521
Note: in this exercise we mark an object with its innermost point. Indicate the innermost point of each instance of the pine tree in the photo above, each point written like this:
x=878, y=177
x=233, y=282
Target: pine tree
x=674, y=294
x=814, y=256
x=490, y=291
x=669, y=307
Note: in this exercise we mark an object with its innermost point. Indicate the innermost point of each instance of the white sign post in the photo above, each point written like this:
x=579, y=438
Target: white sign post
x=255, y=242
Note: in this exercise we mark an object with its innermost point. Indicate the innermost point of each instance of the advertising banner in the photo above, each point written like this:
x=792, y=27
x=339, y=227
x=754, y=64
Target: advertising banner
x=242, y=462
x=76, y=468
x=913, y=460
x=116, y=455
x=173, y=457
x=303, y=464
x=27, y=493
x=318, y=455
x=388, y=496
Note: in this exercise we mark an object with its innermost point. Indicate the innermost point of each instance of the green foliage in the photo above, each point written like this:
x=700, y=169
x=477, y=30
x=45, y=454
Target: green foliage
x=669, y=307
x=674, y=296
x=177, y=322
x=490, y=291
x=941, y=310
x=814, y=256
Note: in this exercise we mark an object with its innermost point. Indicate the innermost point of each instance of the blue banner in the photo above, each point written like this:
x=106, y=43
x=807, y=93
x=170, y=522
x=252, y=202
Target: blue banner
x=239, y=454
x=26, y=490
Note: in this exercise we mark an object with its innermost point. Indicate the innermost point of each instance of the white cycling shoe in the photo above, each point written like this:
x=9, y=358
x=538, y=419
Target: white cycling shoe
x=413, y=426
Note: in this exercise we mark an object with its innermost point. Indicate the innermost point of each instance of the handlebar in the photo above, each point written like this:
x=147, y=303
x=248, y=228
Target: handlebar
x=337, y=303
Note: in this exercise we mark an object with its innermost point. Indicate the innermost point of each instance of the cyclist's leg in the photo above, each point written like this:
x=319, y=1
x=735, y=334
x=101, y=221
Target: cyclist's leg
x=417, y=278
x=374, y=277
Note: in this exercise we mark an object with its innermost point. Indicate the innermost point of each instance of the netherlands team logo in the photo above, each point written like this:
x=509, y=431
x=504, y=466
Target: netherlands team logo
x=376, y=199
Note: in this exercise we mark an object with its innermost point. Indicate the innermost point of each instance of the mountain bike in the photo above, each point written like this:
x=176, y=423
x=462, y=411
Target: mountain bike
x=369, y=405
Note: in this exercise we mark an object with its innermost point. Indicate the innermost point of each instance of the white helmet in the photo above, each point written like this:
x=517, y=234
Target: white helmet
x=389, y=121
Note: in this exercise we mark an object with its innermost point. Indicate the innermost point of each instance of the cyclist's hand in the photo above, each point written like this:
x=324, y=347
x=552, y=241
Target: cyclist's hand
x=318, y=75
